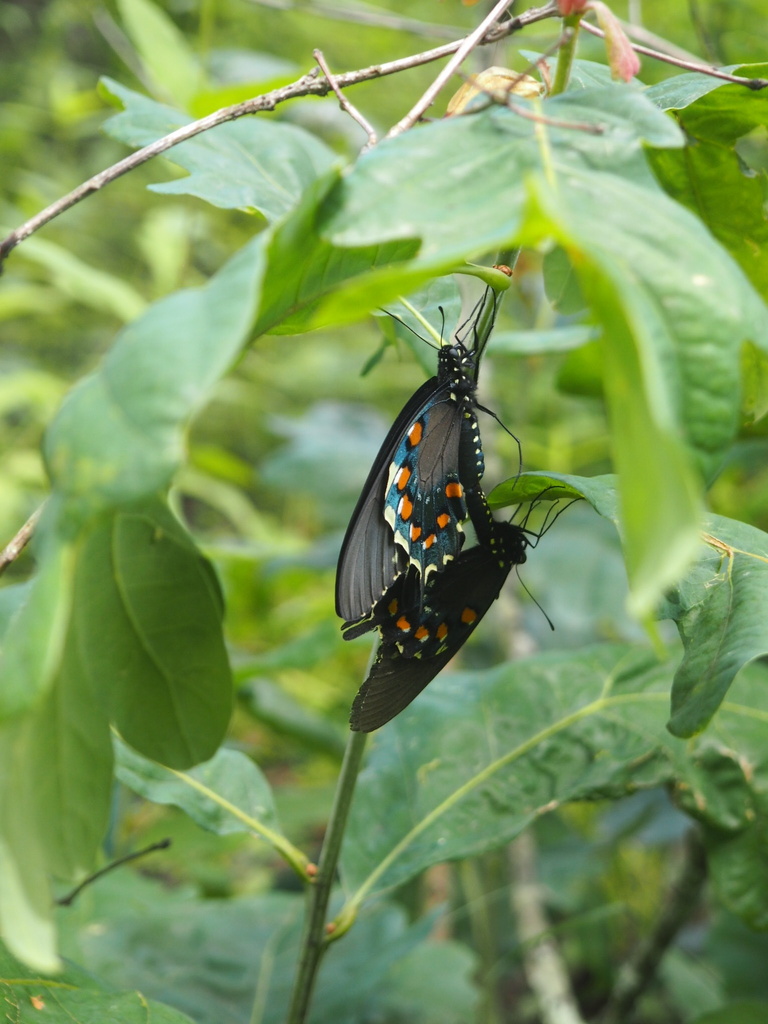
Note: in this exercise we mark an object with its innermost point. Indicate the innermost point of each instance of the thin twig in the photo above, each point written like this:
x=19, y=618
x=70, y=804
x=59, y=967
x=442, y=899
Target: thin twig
x=687, y=65
x=365, y=15
x=636, y=975
x=544, y=967
x=307, y=85
x=644, y=35
x=468, y=44
x=344, y=103
x=14, y=547
x=67, y=900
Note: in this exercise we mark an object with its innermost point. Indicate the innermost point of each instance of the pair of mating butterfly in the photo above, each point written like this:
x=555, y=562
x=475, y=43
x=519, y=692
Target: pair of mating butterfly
x=401, y=567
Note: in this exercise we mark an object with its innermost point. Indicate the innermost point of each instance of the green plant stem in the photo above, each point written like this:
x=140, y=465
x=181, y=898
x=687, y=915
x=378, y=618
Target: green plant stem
x=566, y=54
x=636, y=975
x=314, y=941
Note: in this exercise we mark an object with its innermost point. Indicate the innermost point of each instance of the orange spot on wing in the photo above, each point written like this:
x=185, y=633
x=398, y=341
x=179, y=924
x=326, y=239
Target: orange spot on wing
x=430, y=540
x=468, y=616
x=415, y=532
x=402, y=478
x=454, y=490
x=393, y=606
x=442, y=631
x=406, y=507
x=415, y=434
x=443, y=520
x=403, y=623
x=421, y=633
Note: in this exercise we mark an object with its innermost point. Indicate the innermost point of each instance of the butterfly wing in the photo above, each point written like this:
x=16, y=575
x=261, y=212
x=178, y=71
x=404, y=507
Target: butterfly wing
x=369, y=560
x=424, y=500
x=417, y=642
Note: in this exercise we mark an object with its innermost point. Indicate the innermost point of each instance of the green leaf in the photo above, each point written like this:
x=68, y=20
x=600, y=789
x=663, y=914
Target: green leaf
x=738, y=868
x=478, y=757
x=294, y=289
x=600, y=491
x=73, y=997
x=118, y=436
x=140, y=642
x=34, y=640
x=721, y=611
x=165, y=53
x=439, y=303
x=26, y=906
x=209, y=957
x=486, y=195
x=251, y=163
x=554, y=339
x=150, y=631
x=224, y=795
x=716, y=791
x=680, y=91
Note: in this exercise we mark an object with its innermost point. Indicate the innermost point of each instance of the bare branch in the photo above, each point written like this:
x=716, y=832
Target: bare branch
x=344, y=103
x=687, y=65
x=307, y=85
x=14, y=547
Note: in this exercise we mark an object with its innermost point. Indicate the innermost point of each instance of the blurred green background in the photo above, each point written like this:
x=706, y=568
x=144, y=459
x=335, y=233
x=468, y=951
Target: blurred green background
x=277, y=459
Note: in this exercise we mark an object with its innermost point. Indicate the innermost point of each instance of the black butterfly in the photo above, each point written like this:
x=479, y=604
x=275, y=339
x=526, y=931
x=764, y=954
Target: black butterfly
x=413, y=504
x=420, y=633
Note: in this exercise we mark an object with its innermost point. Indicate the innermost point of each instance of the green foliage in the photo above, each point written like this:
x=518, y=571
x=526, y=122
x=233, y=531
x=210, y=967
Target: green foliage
x=201, y=465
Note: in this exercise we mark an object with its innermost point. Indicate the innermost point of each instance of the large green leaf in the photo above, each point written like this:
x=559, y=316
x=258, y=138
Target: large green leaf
x=479, y=756
x=251, y=164
x=119, y=434
x=148, y=614
x=74, y=997
x=141, y=645
x=223, y=795
x=226, y=961
x=721, y=611
x=26, y=909
x=227, y=794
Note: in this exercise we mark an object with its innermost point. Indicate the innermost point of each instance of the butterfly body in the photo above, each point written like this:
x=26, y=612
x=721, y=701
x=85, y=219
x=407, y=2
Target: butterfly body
x=420, y=635
x=414, y=501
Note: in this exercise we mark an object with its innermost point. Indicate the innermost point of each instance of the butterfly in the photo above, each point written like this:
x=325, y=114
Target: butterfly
x=420, y=633
x=408, y=519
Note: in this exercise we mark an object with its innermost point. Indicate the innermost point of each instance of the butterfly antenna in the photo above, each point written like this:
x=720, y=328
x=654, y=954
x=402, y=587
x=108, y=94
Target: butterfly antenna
x=408, y=327
x=550, y=623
